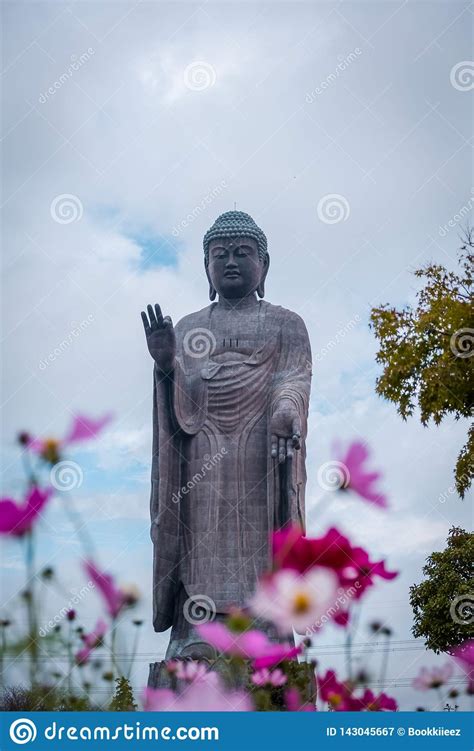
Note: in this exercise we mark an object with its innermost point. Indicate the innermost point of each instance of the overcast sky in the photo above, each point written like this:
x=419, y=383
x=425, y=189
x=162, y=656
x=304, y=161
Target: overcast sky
x=127, y=129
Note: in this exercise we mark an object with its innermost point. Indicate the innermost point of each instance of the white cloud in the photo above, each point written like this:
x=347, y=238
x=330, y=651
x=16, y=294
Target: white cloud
x=124, y=133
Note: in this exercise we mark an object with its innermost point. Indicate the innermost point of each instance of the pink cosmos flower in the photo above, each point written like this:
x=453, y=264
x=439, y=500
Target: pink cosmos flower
x=114, y=598
x=158, y=699
x=356, y=476
x=267, y=677
x=201, y=695
x=91, y=641
x=276, y=653
x=82, y=655
x=247, y=644
x=381, y=703
x=251, y=644
x=340, y=697
x=17, y=519
x=292, y=600
x=82, y=428
x=190, y=670
x=433, y=677
x=464, y=654
x=352, y=565
x=342, y=617
x=294, y=704
x=95, y=637
x=337, y=694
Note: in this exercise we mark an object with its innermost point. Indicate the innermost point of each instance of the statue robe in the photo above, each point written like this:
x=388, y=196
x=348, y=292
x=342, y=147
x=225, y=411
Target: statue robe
x=216, y=491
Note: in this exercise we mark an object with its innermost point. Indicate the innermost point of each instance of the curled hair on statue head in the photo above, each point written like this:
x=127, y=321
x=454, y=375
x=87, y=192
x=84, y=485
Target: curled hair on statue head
x=236, y=224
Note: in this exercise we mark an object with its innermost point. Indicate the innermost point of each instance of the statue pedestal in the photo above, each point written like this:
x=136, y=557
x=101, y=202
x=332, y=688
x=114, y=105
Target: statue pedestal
x=300, y=675
x=158, y=676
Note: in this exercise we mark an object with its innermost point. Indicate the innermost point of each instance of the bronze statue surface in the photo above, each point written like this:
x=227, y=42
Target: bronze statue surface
x=230, y=406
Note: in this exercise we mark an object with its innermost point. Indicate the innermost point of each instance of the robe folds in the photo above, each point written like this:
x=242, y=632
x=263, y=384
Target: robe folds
x=217, y=494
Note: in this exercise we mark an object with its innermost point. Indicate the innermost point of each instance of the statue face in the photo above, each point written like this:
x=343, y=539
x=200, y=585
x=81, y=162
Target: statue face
x=235, y=268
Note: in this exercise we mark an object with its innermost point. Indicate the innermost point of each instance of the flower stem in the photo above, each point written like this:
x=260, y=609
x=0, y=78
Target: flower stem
x=30, y=475
x=79, y=527
x=114, y=669
x=30, y=604
x=70, y=659
x=351, y=632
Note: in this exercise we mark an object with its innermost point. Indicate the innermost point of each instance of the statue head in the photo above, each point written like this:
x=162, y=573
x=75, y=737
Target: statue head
x=235, y=256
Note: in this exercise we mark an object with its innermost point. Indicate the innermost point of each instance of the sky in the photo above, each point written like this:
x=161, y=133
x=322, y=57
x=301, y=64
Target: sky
x=345, y=130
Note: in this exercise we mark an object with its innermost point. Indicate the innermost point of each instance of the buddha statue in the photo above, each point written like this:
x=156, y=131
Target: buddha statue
x=230, y=406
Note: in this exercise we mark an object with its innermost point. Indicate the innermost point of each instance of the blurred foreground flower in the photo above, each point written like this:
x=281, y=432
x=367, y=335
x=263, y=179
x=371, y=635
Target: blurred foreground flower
x=337, y=694
x=352, y=565
x=190, y=670
x=15, y=519
x=294, y=703
x=340, y=697
x=130, y=595
x=291, y=600
x=207, y=694
x=267, y=677
x=356, y=476
x=91, y=641
x=114, y=598
x=433, y=677
x=464, y=655
x=82, y=429
x=250, y=644
x=381, y=703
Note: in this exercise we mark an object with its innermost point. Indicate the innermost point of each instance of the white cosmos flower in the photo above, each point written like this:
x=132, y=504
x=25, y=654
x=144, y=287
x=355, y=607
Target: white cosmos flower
x=291, y=600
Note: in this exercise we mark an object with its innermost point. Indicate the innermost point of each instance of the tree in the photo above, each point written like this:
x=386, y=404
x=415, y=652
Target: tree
x=122, y=700
x=427, y=352
x=443, y=604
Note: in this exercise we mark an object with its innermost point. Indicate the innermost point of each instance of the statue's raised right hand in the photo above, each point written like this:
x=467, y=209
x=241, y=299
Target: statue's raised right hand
x=160, y=338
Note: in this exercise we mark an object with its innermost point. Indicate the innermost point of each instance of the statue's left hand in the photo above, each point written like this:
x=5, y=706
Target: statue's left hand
x=285, y=428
